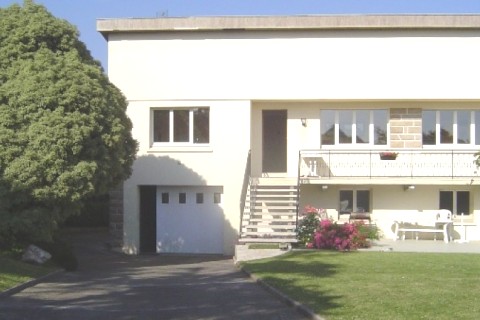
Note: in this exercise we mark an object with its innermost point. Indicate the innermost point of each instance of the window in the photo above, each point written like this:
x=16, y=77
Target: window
x=181, y=126
x=451, y=127
x=354, y=201
x=199, y=197
x=161, y=131
x=354, y=127
x=217, y=197
x=165, y=197
x=182, y=197
x=457, y=202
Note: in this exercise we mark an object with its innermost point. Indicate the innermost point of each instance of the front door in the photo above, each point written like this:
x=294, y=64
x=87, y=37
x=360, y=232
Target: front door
x=274, y=141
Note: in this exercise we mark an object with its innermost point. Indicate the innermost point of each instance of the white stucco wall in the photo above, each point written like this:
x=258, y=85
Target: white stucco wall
x=299, y=137
x=227, y=70
x=225, y=156
x=296, y=65
x=393, y=202
x=308, y=137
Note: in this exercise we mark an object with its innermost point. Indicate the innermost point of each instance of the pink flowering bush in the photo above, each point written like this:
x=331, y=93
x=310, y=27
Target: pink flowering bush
x=342, y=237
x=317, y=231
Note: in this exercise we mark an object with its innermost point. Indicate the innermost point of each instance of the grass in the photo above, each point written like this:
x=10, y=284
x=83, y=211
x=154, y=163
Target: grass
x=377, y=285
x=14, y=272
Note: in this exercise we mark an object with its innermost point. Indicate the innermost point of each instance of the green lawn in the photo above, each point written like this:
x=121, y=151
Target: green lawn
x=377, y=285
x=14, y=272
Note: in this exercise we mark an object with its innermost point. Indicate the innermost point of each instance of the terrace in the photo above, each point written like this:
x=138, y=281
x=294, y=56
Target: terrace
x=320, y=166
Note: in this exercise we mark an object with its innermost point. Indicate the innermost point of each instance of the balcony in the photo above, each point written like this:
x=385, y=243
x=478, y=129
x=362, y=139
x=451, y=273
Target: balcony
x=324, y=165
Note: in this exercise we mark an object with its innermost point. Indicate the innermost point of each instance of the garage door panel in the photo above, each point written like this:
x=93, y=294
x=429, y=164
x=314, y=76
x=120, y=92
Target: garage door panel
x=189, y=227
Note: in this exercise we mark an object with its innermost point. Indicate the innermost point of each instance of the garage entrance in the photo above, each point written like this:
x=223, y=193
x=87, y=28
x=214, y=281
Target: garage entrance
x=189, y=219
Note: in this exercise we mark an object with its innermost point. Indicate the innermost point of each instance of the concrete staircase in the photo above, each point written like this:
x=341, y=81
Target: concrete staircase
x=270, y=212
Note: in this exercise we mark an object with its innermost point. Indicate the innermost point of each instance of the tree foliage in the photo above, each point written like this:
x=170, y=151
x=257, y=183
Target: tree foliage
x=64, y=134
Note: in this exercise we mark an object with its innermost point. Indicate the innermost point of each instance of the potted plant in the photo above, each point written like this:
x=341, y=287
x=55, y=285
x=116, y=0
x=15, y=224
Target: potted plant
x=388, y=155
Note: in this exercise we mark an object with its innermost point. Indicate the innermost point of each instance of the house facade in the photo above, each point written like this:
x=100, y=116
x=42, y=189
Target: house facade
x=243, y=121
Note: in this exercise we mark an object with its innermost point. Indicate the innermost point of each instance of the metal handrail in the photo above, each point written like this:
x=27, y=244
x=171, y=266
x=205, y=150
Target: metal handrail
x=367, y=163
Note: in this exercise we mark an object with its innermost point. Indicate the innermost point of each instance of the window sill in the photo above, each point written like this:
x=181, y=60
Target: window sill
x=179, y=149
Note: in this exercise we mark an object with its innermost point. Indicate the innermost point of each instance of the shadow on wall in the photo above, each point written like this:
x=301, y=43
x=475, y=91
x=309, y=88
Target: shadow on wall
x=168, y=225
x=246, y=182
x=163, y=170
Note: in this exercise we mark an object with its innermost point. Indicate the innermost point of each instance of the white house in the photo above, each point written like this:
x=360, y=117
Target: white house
x=241, y=119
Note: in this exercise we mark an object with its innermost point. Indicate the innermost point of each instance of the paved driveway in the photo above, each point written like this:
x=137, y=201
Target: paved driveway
x=114, y=286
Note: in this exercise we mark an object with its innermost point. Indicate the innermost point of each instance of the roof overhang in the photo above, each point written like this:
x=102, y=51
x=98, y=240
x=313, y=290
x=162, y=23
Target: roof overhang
x=308, y=22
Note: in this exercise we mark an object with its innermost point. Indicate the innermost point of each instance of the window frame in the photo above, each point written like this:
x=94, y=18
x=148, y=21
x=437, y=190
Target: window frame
x=473, y=144
x=217, y=197
x=165, y=198
x=355, y=201
x=171, y=120
x=182, y=197
x=455, y=205
x=354, y=144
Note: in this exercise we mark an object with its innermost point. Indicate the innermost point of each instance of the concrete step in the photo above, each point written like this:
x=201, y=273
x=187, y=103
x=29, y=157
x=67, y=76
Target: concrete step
x=273, y=203
x=292, y=206
x=275, y=181
x=269, y=234
x=243, y=252
x=270, y=215
x=273, y=189
x=270, y=210
x=286, y=220
x=270, y=195
x=267, y=240
x=270, y=226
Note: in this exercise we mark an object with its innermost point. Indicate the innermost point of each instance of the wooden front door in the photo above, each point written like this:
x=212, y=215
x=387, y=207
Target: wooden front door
x=274, y=141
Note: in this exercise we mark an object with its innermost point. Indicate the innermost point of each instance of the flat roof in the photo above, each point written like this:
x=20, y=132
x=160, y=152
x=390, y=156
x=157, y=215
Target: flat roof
x=307, y=22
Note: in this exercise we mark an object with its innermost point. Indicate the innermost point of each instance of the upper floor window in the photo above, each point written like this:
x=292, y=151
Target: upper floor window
x=354, y=127
x=183, y=126
x=452, y=127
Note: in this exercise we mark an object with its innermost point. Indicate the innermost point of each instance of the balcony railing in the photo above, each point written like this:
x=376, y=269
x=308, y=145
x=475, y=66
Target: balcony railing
x=368, y=164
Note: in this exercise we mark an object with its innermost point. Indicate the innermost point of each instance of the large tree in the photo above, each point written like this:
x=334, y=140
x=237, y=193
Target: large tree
x=64, y=133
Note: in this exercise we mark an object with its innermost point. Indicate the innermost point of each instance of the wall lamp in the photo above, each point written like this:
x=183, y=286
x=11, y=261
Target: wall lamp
x=304, y=121
x=409, y=187
x=324, y=187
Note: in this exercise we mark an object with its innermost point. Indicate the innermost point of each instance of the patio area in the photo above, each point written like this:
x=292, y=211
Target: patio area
x=243, y=253
x=424, y=246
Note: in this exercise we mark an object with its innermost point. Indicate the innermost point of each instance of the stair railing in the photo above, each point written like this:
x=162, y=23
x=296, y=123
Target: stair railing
x=298, y=189
x=247, y=181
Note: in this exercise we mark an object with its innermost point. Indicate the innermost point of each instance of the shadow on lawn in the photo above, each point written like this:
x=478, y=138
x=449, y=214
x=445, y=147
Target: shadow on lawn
x=291, y=273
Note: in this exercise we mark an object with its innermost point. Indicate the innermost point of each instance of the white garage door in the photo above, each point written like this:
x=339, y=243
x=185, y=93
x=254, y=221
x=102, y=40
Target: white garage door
x=189, y=220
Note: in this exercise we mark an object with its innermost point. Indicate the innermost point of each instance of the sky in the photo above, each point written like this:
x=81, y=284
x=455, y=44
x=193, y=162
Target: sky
x=84, y=13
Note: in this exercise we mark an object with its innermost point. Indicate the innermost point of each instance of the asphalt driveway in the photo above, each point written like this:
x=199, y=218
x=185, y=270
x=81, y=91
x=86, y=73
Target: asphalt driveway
x=109, y=285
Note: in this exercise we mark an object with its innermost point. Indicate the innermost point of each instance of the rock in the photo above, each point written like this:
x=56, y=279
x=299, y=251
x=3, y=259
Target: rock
x=36, y=255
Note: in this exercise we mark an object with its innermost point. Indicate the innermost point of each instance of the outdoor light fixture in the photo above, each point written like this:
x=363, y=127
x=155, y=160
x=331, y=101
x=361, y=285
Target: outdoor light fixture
x=304, y=122
x=409, y=187
x=324, y=187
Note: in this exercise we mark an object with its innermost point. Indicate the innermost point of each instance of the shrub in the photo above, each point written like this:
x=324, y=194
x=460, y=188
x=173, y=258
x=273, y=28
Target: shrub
x=344, y=237
x=307, y=226
x=371, y=231
x=315, y=230
x=93, y=214
x=62, y=254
